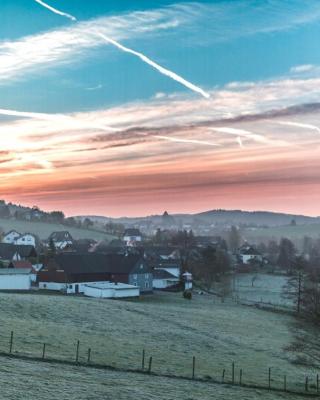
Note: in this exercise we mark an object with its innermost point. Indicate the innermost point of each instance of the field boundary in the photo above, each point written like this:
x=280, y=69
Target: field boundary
x=148, y=372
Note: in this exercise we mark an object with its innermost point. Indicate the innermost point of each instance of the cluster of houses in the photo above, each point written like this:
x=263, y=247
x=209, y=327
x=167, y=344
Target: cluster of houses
x=96, y=269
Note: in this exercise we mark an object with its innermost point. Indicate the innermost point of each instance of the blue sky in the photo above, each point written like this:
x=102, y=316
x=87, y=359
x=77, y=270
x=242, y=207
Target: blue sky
x=223, y=42
x=89, y=126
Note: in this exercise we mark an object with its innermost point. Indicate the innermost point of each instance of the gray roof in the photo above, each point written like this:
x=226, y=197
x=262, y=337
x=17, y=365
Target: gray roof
x=163, y=274
x=15, y=271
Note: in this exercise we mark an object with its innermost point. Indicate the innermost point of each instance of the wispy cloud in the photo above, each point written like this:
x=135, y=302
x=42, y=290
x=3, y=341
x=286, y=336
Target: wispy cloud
x=302, y=68
x=300, y=125
x=189, y=141
x=53, y=48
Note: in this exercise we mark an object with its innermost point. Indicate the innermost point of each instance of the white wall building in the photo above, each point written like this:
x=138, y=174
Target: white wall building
x=15, y=279
x=110, y=290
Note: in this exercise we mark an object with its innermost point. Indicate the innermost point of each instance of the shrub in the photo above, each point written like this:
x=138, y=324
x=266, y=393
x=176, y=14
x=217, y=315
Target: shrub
x=187, y=294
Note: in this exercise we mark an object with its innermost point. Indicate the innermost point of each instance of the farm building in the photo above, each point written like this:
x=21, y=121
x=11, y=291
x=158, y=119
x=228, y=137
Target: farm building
x=163, y=279
x=68, y=271
x=15, y=278
x=110, y=290
x=173, y=267
x=25, y=265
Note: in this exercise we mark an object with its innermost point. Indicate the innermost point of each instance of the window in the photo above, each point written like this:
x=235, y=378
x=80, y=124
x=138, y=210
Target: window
x=146, y=276
x=70, y=286
x=146, y=284
x=135, y=276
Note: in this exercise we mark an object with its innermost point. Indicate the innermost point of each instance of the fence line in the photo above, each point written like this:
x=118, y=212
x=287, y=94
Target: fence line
x=309, y=390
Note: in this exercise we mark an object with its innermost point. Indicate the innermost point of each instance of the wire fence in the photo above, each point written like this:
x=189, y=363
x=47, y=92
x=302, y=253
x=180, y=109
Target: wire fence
x=142, y=361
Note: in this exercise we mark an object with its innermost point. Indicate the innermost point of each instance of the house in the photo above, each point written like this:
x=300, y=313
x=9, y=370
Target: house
x=12, y=252
x=110, y=290
x=10, y=237
x=26, y=239
x=69, y=272
x=15, y=278
x=171, y=266
x=248, y=254
x=163, y=279
x=61, y=239
x=132, y=236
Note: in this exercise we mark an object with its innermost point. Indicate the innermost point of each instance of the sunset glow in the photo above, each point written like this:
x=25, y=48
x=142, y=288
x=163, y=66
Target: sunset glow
x=79, y=131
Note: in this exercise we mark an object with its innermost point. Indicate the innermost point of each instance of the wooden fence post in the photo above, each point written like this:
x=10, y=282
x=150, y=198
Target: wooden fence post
x=240, y=379
x=223, y=374
x=43, y=351
x=306, y=385
x=193, y=366
x=269, y=378
x=77, y=351
x=150, y=365
x=143, y=358
x=11, y=342
x=89, y=356
x=233, y=372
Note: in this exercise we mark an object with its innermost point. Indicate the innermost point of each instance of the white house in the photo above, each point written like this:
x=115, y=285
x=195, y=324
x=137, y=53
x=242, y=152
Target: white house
x=15, y=278
x=249, y=254
x=110, y=290
x=26, y=239
x=61, y=239
x=10, y=237
x=132, y=236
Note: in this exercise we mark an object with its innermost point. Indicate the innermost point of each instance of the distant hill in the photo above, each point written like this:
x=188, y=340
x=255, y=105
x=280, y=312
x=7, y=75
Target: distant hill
x=258, y=218
x=217, y=217
x=43, y=229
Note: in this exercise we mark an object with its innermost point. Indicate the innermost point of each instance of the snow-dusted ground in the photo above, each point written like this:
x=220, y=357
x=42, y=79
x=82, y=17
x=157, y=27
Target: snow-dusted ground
x=261, y=288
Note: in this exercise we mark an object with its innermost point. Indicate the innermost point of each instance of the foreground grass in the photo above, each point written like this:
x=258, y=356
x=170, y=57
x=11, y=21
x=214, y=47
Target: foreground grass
x=170, y=329
x=24, y=380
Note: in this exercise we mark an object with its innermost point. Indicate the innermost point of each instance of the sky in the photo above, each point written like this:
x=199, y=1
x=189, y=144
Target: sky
x=136, y=107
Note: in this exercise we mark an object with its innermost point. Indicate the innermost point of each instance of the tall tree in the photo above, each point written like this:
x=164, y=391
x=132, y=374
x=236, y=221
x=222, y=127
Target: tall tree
x=287, y=253
x=294, y=288
x=234, y=239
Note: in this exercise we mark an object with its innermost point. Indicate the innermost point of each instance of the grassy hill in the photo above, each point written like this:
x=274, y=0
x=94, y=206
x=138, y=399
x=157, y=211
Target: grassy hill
x=171, y=330
x=43, y=229
x=291, y=232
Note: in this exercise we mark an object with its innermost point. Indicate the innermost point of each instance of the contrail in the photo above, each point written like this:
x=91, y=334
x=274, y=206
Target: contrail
x=300, y=125
x=158, y=67
x=242, y=133
x=142, y=57
x=173, y=139
x=54, y=10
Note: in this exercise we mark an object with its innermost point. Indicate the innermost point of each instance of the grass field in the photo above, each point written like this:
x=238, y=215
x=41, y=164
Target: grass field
x=172, y=330
x=291, y=232
x=43, y=230
x=266, y=288
x=26, y=380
